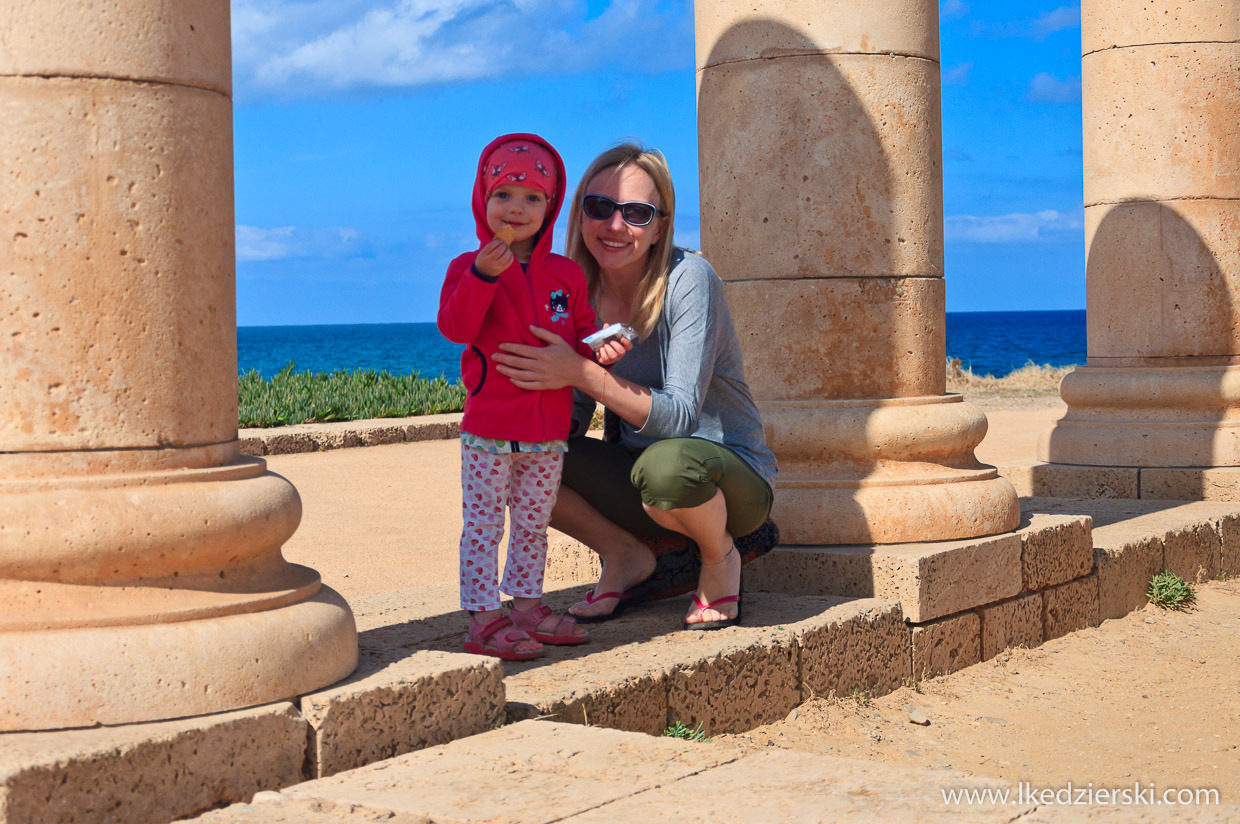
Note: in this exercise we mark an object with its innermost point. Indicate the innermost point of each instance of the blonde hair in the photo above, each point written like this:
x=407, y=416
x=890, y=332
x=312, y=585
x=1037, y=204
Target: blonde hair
x=648, y=301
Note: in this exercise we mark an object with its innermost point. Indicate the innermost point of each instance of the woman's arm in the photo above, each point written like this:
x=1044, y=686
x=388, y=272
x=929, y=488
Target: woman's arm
x=557, y=365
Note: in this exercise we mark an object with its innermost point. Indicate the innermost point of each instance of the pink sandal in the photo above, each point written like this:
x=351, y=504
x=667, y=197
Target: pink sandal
x=562, y=635
x=505, y=643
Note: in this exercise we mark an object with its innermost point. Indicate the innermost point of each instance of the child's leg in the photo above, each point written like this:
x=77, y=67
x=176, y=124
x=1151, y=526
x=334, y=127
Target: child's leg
x=484, y=491
x=531, y=496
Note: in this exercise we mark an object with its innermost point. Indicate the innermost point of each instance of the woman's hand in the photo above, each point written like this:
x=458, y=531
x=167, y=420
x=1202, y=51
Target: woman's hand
x=493, y=258
x=553, y=366
x=613, y=351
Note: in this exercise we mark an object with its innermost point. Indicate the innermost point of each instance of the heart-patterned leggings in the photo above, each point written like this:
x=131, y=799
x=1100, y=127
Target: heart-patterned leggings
x=525, y=483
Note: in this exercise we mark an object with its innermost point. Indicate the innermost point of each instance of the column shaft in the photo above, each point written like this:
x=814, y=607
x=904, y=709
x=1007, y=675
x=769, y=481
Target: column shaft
x=140, y=567
x=1160, y=104
x=821, y=180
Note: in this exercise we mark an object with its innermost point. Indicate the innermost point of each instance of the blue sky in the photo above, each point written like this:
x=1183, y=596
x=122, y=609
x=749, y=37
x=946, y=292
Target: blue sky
x=358, y=125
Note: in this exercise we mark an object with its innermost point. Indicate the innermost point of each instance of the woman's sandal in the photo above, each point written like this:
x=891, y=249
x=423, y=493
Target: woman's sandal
x=505, y=642
x=703, y=605
x=623, y=602
x=563, y=635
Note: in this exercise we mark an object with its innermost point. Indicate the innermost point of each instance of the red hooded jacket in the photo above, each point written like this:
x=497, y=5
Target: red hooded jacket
x=484, y=312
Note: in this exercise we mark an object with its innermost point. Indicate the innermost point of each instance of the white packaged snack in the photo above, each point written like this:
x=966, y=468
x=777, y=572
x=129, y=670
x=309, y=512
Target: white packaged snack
x=613, y=331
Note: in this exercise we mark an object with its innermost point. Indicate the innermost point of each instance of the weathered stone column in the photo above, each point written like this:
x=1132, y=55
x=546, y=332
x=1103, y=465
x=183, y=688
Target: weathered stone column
x=1161, y=110
x=821, y=180
x=140, y=567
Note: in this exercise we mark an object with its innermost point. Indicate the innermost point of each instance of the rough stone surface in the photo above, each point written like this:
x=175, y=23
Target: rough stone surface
x=1193, y=552
x=1036, y=479
x=1229, y=553
x=858, y=645
x=736, y=684
x=1220, y=483
x=946, y=645
x=1014, y=623
x=284, y=440
x=1055, y=549
x=149, y=773
x=569, y=561
x=929, y=580
x=1069, y=607
x=1118, y=23
x=1125, y=568
x=397, y=702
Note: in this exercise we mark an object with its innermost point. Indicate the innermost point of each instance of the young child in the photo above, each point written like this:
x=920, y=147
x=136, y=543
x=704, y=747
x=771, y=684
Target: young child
x=513, y=440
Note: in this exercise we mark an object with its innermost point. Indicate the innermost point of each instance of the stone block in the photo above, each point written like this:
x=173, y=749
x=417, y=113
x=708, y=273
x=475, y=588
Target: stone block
x=399, y=701
x=635, y=701
x=857, y=645
x=569, y=561
x=1229, y=550
x=1119, y=23
x=253, y=446
x=1220, y=484
x=434, y=427
x=1124, y=573
x=380, y=435
x=1014, y=623
x=325, y=438
x=290, y=442
x=1158, y=123
x=1036, y=479
x=738, y=683
x=929, y=580
x=1055, y=549
x=149, y=773
x=1193, y=552
x=944, y=646
x=1069, y=607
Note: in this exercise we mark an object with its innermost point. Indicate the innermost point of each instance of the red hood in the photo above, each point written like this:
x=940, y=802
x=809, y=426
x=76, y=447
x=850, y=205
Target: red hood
x=485, y=235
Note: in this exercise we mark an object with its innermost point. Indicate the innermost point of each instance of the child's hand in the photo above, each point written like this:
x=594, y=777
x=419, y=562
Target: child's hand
x=493, y=258
x=613, y=351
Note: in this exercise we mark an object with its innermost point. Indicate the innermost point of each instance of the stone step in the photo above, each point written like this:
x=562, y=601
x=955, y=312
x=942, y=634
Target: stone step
x=538, y=772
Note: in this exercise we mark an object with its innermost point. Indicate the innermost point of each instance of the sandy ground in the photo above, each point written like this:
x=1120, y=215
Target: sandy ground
x=1152, y=698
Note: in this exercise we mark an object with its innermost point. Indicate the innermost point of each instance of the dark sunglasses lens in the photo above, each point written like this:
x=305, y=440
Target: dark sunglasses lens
x=637, y=214
x=597, y=207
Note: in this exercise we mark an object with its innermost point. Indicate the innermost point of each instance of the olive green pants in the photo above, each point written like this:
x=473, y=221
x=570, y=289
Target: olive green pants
x=677, y=473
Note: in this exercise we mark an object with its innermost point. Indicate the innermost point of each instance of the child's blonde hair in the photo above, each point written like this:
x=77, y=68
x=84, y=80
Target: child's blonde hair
x=648, y=302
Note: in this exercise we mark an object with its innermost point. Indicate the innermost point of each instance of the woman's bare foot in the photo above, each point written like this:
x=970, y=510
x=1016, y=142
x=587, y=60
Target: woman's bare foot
x=717, y=580
x=623, y=568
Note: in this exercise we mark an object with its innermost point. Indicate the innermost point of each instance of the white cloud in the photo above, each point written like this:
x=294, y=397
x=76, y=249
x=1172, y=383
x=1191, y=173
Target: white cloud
x=1012, y=228
x=305, y=47
x=1064, y=17
x=1045, y=88
x=954, y=8
x=957, y=75
x=284, y=242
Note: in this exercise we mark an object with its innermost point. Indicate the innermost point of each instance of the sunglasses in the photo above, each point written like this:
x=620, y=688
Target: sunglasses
x=634, y=212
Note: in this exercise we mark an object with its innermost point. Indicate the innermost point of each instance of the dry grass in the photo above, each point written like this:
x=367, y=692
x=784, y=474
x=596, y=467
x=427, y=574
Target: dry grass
x=1031, y=380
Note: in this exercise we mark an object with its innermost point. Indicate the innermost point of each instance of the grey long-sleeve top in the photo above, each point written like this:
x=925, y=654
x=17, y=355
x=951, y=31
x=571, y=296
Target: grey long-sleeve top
x=692, y=364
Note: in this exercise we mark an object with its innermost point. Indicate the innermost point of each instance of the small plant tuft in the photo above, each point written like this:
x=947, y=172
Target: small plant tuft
x=679, y=730
x=1170, y=591
x=860, y=696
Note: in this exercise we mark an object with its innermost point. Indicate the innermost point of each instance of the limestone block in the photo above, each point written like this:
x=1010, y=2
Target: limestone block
x=944, y=646
x=1069, y=607
x=736, y=685
x=1163, y=280
x=1119, y=23
x=1159, y=122
x=504, y=775
x=399, y=701
x=1220, y=483
x=824, y=339
x=434, y=427
x=1193, y=552
x=633, y=701
x=122, y=242
x=770, y=29
x=1014, y=623
x=1055, y=549
x=186, y=42
x=1229, y=553
x=325, y=439
x=861, y=644
x=1059, y=480
x=1124, y=572
x=149, y=773
x=929, y=580
x=253, y=447
x=379, y=435
x=290, y=443
x=569, y=561
x=850, y=178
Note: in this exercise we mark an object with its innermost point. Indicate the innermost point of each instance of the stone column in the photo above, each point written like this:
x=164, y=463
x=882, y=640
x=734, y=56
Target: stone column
x=1161, y=111
x=140, y=567
x=821, y=180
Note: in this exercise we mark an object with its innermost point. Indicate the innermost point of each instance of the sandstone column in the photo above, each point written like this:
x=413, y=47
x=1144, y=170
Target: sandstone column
x=140, y=567
x=821, y=181
x=1161, y=110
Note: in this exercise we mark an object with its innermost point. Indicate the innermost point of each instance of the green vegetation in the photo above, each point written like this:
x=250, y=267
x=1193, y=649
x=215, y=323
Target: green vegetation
x=679, y=730
x=1170, y=591
x=860, y=696
x=302, y=397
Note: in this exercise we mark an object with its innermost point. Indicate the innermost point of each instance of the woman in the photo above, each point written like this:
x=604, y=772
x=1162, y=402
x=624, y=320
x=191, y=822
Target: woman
x=691, y=456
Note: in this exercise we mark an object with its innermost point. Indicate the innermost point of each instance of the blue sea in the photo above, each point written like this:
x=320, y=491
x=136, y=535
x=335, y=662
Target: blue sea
x=991, y=343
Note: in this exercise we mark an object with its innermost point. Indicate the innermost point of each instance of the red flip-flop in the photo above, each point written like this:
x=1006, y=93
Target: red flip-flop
x=623, y=602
